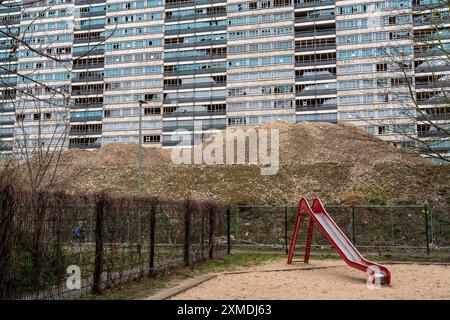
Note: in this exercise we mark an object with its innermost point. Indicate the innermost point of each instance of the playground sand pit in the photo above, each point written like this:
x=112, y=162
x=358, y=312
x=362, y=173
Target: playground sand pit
x=332, y=279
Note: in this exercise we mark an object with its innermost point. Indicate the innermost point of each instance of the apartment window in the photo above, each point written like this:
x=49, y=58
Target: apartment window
x=152, y=139
x=381, y=67
x=150, y=111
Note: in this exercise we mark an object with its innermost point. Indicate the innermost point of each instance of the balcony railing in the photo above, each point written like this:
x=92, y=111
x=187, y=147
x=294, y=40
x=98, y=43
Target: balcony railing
x=314, y=19
x=197, y=30
x=192, y=3
x=316, y=92
x=195, y=17
x=315, y=48
x=316, y=107
x=179, y=114
x=196, y=58
x=88, y=66
x=192, y=128
x=196, y=44
x=195, y=85
x=317, y=3
x=311, y=33
x=315, y=77
x=86, y=92
x=92, y=52
x=188, y=100
x=187, y=72
x=315, y=62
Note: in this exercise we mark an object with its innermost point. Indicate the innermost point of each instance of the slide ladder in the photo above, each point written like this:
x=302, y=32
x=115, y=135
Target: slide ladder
x=318, y=215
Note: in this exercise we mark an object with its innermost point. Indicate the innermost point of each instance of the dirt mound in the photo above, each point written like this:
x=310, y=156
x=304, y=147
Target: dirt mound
x=116, y=154
x=322, y=142
x=323, y=160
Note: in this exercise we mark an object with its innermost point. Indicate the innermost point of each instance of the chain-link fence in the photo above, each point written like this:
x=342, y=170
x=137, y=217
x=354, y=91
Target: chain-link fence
x=49, y=241
x=58, y=246
x=399, y=230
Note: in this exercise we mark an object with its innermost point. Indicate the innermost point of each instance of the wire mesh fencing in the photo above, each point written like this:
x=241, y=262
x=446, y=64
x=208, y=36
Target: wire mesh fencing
x=397, y=230
x=59, y=246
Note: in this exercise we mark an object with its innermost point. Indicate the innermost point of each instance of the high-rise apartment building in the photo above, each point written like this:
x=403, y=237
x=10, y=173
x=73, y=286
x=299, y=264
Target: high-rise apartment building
x=193, y=68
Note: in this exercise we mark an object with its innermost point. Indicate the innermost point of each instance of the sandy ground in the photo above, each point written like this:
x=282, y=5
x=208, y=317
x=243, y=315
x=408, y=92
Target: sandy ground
x=277, y=280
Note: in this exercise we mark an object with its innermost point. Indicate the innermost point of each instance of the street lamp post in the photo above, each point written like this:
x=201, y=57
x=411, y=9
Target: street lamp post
x=141, y=102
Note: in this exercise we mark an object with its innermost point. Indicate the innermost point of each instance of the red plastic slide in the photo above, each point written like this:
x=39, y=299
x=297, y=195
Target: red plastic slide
x=379, y=273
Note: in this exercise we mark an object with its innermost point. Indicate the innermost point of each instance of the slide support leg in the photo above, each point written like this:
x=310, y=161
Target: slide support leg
x=308, y=240
x=294, y=236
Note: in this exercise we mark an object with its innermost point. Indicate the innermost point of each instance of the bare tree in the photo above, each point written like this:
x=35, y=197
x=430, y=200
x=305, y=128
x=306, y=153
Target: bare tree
x=38, y=89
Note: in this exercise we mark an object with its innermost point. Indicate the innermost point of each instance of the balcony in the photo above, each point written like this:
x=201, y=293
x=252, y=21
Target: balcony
x=318, y=3
x=85, y=133
x=425, y=68
x=86, y=106
x=89, y=40
x=312, y=33
x=92, y=52
x=431, y=85
x=191, y=100
x=315, y=48
x=188, y=72
x=93, y=14
x=88, y=66
x=86, y=79
x=315, y=77
x=86, y=92
x=8, y=46
x=182, y=4
x=196, y=44
x=315, y=63
x=91, y=27
x=86, y=119
x=316, y=107
x=431, y=53
x=10, y=59
x=316, y=92
x=195, y=85
x=180, y=114
x=432, y=133
x=6, y=134
x=196, y=16
x=433, y=117
x=314, y=19
x=192, y=128
x=196, y=58
x=196, y=30
x=88, y=2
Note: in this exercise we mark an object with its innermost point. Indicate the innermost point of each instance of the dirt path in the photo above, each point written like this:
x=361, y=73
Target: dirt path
x=334, y=280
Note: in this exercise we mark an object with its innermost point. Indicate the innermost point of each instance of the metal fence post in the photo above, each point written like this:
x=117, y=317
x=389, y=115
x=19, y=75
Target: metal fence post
x=202, y=237
x=228, y=231
x=98, y=262
x=286, y=249
x=211, y=233
x=237, y=224
x=425, y=211
x=433, y=227
x=187, y=232
x=151, y=263
x=353, y=226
